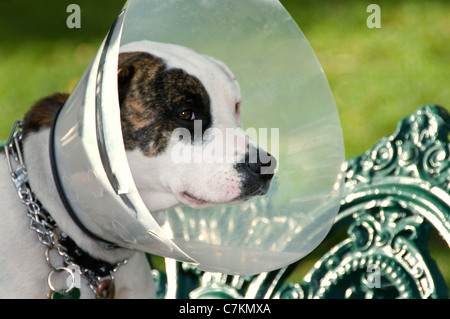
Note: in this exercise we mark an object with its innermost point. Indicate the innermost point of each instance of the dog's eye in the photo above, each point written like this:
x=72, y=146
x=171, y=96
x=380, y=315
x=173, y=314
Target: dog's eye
x=186, y=115
x=237, y=107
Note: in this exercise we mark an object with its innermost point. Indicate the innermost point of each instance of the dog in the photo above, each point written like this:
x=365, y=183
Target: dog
x=163, y=89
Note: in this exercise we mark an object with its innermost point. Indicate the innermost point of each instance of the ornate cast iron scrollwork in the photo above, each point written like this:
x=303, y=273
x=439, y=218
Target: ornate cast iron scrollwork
x=394, y=194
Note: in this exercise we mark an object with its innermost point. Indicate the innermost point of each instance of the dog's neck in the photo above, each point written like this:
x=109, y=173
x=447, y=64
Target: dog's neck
x=37, y=162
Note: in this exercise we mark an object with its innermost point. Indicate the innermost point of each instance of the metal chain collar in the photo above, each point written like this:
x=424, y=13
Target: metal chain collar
x=48, y=231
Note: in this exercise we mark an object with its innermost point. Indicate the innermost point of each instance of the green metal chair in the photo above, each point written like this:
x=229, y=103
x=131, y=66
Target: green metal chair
x=395, y=194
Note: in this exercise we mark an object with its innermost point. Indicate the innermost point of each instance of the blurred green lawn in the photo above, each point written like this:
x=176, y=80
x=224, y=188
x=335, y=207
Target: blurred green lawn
x=377, y=76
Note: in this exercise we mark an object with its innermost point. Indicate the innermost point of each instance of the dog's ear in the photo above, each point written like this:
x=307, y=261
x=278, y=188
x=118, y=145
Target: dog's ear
x=125, y=73
x=140, y=65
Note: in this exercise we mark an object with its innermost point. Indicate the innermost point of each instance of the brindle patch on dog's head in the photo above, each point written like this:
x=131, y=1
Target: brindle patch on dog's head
x=153, y=97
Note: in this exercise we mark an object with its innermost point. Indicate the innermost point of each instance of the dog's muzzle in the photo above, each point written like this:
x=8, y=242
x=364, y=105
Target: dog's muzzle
x=256, y=173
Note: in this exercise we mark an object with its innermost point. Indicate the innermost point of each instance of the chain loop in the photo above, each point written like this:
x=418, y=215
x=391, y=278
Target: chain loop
x=46, y=228
x=58, y=270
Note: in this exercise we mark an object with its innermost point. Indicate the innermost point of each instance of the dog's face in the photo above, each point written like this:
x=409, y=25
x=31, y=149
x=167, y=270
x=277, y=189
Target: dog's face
x=182, y=130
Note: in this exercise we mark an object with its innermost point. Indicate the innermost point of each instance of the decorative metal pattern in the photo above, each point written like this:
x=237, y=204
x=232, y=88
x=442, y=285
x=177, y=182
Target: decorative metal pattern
x=394, y=194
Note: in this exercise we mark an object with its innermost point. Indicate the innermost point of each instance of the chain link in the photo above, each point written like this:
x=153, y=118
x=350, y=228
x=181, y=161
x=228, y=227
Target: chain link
x=46, y=228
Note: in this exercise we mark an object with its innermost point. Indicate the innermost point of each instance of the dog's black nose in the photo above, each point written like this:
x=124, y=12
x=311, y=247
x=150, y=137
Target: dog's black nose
x=256, y=172
x=261, y=163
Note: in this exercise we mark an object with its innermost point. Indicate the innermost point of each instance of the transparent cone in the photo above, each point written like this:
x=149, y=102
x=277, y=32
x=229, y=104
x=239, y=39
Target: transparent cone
x=287, y=107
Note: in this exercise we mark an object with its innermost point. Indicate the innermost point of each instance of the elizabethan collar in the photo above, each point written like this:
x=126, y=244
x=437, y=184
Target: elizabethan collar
x=286, y=99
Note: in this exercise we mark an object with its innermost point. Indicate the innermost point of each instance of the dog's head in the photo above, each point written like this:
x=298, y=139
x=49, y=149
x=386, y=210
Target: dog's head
x=180, y=114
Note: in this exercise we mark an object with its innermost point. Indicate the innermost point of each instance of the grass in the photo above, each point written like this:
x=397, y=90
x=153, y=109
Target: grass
x=39, y=55
x=377, y=76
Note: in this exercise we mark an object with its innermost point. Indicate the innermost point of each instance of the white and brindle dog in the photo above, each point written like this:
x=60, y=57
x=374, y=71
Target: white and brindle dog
x=161, y=91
